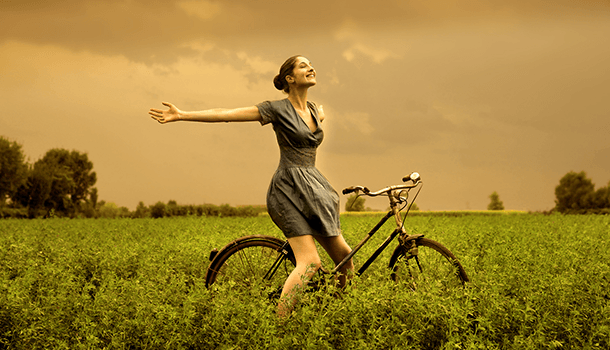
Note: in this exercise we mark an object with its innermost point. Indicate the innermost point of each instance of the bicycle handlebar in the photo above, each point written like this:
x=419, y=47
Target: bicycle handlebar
x=413, y=177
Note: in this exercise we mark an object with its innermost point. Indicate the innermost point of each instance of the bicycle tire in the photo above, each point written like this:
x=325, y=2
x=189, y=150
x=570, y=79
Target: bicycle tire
x=243, y=264
x=433, y=264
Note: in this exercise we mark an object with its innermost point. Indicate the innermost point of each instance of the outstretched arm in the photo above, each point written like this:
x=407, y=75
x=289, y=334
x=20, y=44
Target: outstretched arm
x=245, y=114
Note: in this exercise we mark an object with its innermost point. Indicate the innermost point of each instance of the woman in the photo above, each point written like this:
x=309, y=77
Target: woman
x=300, y=200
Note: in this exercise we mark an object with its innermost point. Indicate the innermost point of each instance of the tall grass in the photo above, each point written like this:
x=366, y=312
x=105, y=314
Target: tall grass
x=537, y=282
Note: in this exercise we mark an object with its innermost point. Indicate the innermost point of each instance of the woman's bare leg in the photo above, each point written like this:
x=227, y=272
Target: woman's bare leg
x=337, y=248
x=308, y=262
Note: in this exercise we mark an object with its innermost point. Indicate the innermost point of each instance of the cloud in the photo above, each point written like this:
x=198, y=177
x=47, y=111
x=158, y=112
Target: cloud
x=200, y=8
x=257, y=63
x=361, y=42
x=156, y=32
x=376, y=55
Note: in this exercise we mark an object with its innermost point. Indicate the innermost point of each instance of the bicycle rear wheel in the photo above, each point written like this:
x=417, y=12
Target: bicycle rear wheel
x=430, y=264
x=252, y=264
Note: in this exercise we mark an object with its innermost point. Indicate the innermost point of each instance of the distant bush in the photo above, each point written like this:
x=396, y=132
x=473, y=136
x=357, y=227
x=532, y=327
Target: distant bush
x=142, y=211
x=160, y=210
x=11, y=212
x=111, y=211
x=576, y=194
x=495, y=203
x=355, y=203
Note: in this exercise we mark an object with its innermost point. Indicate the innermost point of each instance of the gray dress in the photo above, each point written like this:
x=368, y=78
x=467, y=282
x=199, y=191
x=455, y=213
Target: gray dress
x=300, y=199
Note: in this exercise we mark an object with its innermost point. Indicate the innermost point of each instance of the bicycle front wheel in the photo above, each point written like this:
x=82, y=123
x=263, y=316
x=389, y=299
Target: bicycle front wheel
x=427, y=264
x=252, y=264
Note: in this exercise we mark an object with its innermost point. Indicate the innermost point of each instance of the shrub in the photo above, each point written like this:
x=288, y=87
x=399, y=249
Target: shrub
x=496, y=203
x=158, y=210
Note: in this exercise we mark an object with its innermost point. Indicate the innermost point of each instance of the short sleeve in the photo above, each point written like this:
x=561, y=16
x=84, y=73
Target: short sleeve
x=267, y=112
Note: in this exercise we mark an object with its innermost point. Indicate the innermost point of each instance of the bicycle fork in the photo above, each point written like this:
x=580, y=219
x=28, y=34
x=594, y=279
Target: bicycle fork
x=283, y=255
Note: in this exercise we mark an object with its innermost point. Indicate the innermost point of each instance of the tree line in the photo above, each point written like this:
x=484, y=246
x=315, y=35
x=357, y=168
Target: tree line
x=61, y=184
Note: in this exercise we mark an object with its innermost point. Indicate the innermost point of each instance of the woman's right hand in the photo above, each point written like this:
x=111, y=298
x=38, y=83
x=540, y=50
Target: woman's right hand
x=165, y=116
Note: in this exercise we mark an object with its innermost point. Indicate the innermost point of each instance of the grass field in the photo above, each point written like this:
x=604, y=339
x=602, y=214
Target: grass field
x=537, y=282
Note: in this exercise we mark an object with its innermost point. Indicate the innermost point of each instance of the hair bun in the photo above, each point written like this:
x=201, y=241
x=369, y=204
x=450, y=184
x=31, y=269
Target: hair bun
x=278, y=83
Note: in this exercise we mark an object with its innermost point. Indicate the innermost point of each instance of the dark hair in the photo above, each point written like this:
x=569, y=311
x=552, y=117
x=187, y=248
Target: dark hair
x=286, y=69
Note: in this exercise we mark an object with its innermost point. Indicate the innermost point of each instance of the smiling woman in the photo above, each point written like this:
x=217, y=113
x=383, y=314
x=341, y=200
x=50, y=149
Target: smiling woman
x=300, y=200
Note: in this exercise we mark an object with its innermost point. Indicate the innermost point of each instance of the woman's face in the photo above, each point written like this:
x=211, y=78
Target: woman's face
x=303, y=72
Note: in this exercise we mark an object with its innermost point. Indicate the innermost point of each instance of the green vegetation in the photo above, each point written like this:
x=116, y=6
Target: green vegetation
x=576, y=194
x=495, y=202
x=537, y=282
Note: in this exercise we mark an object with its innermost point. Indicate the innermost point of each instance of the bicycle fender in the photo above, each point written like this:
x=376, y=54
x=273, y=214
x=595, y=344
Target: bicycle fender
x=413, y=237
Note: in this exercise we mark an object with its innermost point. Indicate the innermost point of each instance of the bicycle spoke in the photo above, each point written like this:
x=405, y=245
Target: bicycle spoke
x=251, y=264
x=430, y=265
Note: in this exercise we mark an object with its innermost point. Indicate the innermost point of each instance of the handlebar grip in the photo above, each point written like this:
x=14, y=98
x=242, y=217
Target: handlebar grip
x=412, y=177
x=356, y=188
x=349, y=190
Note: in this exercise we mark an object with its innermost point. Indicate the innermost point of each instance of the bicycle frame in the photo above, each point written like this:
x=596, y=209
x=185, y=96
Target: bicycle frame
x=393, y=192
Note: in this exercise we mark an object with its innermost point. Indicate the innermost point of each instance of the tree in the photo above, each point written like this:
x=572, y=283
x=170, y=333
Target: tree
x=142, y=211
x=60, y=181
x=77, y=170
x=13, y=169
x=496, y=203
x=574, y=193
x=158, y=210
x=602, y=197
x=354, y=203
x=35, y=191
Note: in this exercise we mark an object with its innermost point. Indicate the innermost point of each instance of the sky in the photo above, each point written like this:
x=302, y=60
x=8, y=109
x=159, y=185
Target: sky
x=476, y=95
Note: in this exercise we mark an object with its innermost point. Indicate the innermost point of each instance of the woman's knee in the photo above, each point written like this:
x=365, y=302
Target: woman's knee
x=309, y=266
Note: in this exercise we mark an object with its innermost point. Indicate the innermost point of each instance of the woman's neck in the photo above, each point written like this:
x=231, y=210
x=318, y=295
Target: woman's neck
x=298, y=98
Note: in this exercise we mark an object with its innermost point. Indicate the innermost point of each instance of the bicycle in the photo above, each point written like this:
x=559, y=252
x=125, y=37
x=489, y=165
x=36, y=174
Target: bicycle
x=264, y=262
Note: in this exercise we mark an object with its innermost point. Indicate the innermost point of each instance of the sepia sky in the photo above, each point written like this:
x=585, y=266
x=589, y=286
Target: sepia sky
x=476, y=95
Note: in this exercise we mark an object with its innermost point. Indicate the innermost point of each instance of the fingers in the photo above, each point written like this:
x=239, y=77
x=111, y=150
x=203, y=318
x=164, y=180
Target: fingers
x=157, y=114
x=160, y=120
